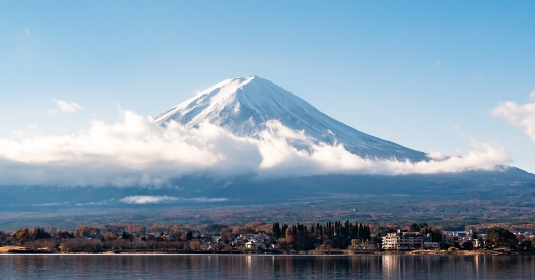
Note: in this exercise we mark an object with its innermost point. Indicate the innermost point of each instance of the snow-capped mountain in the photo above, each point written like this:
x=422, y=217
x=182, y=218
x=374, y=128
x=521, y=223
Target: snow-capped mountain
x=243, y=106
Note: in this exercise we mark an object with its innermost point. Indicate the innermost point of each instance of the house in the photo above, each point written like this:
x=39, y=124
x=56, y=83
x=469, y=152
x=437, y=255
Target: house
x=255, y=244
x=256, y=236
x=460, y=234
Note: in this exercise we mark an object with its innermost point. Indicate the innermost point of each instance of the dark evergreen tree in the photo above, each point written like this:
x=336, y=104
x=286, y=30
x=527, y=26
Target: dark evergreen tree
x=189, y=235
x=283, y=230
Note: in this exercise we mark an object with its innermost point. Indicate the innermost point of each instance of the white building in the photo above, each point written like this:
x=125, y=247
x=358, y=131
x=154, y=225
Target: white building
x=256, y=236
x=254, y=244
x=460, y=234
x=403, y=240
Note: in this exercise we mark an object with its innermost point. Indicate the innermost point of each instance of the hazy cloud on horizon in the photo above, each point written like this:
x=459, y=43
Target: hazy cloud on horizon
x=154, y=199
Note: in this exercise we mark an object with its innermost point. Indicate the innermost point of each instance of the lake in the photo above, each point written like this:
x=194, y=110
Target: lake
x=264, y=267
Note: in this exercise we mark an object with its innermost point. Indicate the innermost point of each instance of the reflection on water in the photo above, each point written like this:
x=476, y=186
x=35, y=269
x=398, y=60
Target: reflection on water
x=265, y=267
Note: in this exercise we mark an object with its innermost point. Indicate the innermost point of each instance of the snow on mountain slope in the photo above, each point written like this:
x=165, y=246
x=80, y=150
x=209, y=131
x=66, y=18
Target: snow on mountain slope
x=244, y=106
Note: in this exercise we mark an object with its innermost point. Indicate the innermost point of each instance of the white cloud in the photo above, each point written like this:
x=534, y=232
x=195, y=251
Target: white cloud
x=146, y=199
x=520, y=116
x=66, y=107
x=133, y=152
x=279, y=159
x=150, y=199
x=50, y=204
x=104, y=202
x=205, y=199
x=137, y=152
x=434, y=154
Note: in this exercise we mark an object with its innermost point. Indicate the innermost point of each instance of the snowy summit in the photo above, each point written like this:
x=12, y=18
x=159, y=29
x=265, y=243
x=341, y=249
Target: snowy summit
x=243, y=106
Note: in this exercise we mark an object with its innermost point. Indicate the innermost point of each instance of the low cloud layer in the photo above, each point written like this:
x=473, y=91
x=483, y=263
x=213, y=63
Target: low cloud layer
x=150, y=199
x=147, y=199
x=137, y=152
x=520, y=116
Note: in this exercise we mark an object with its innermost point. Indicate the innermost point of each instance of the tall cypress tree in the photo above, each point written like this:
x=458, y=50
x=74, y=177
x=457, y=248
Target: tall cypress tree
x=283, y=230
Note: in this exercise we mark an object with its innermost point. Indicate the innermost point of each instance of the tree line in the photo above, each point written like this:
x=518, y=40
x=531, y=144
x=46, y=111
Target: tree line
x=336, y=235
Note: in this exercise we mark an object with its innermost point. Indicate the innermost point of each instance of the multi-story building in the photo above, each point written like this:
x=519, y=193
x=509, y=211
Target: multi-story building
x=403, y=240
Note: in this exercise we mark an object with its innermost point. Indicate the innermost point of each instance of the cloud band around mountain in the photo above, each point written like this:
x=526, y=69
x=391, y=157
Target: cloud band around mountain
x=138, y=152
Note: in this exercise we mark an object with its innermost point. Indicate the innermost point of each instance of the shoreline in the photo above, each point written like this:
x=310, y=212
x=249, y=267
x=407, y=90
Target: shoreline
x=15, y=250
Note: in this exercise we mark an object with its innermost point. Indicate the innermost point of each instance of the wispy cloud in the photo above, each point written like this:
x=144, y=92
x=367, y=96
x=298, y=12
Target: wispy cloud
x=50, y=204
x=137, y=152
x=205, y=199
x=520, y=116
x=104, y=202
x=149, y=199
x=66, y=107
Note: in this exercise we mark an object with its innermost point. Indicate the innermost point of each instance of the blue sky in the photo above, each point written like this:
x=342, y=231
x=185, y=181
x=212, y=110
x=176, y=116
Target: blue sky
x=422, y=74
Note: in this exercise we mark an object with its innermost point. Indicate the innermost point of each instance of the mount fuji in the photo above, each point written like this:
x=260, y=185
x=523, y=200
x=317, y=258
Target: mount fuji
x=247, y=108
x=244, y=106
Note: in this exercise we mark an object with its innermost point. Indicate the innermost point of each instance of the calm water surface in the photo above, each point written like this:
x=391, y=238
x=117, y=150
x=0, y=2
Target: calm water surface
x=264, y=267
